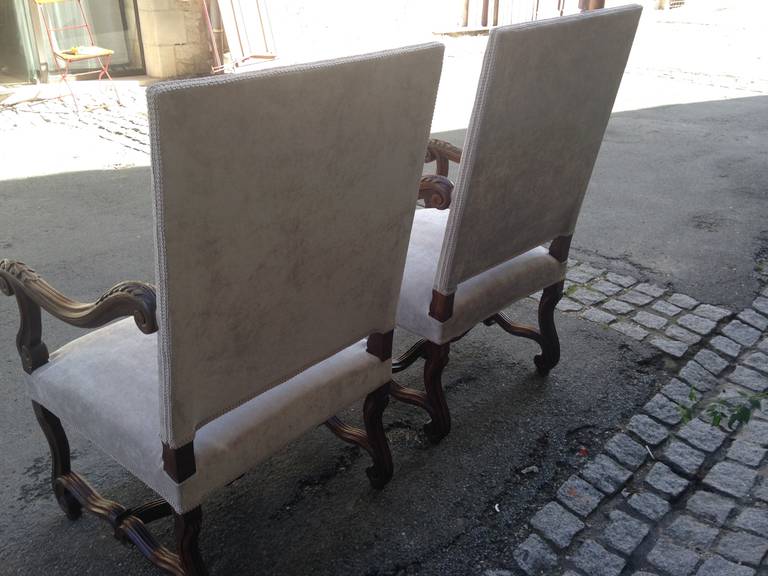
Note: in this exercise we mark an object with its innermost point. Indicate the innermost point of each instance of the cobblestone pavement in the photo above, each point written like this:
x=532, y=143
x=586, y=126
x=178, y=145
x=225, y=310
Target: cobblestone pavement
x=669, y=495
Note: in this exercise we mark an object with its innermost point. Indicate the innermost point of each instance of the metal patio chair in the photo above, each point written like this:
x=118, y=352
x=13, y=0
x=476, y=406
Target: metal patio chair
x=277, y=288
x=66, y=56
x=543, y=102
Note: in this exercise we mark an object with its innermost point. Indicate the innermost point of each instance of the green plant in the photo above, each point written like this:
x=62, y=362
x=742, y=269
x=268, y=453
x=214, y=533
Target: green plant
x=733, y=411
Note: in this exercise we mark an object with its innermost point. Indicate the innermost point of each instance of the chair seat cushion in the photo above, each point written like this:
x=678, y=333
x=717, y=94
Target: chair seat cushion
x=476, y=299
x=106, y=386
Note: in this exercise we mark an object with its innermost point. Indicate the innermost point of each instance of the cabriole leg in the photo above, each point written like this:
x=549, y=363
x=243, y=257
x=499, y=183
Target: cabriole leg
x=550, y=344
x=436, y=360
x=373, y=409
x=188, y=527
x=59, y=445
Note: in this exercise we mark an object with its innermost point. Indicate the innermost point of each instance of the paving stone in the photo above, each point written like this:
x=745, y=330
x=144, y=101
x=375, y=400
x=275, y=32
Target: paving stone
x=742, y=333
x=683, y=301
x=743, y=547
x=725, y=346
x=746, y=453
x=598, y=316
x=761, y=304
x=583, y=274
x=680, y=333
x=754, y=319
x=756, y=431
x=697, y=324
x=711, y=361
x=579, y=495
x=650, y=289
x=650, y=320
x=687, y=531
x=702, y=435
x=710, y=506
x=624, y=533
x=671, y=347
x=605, y=474
x=754, y=520
x=568, y=305
x=673, y=559
x=626, y=451
x=666, y=308
x=556, y=524
x=683, y=458
x=697, y=376
x=649, y=431
x=535, y=557
x=596, y=560
x=665, y=481
x=712, y=312
x=607, y=288
x=749, y=378
x=763, y=345
x=636, y=298
x=681, y=393
x=761, y=490
x=757, y=360
x=719, y=566
x=643, y=573
x=663, y=409
x=731, y=478
x=617, y=307
x=649, y=505
x=630, y=329
x=587, y=296
x=620, y=279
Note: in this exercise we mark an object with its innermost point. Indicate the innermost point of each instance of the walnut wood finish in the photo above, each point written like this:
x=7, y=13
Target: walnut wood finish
x=435, y=191
x=33, y=293
x=550, y=343
x=179, y=463
x=442, y=153
x=372, y=439
x=441, y=306
x=129, y=525
x=380, y=345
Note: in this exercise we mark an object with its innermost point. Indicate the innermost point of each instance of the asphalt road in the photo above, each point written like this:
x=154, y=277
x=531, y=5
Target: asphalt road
x=678, y=196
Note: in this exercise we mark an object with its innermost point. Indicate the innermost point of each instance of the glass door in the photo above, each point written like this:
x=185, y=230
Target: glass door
x=18, y=53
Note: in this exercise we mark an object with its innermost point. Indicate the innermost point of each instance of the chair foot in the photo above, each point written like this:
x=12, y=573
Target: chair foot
x=550, y=344
x=188, y=527
x=381, y=472
x=436, y=360
x=373, y=439
x=59, y=446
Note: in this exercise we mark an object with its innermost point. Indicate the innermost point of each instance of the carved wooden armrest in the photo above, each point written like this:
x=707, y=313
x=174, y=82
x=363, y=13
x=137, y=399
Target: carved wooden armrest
x=442, y=152
x=33, y=293
x=435, y=190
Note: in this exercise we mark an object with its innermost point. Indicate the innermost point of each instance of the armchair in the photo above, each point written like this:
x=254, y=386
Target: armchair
x=543, y=102
x=276, y=288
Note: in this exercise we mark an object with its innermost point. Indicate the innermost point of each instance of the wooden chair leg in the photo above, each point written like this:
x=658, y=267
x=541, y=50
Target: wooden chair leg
x=436, y=360
x=550, y=344
x=373, y=409
x=59, y=445
x=188, y=527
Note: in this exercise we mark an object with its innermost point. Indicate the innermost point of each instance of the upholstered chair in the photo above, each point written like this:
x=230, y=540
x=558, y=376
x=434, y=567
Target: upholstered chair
x=283, y=204
x=544, y=98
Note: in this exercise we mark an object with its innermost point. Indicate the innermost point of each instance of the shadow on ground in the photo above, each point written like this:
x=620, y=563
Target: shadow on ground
x=665, y=179
x=680, y=194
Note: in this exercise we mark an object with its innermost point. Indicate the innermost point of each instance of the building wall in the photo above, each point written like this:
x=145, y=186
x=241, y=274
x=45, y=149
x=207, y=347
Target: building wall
x=175, y=38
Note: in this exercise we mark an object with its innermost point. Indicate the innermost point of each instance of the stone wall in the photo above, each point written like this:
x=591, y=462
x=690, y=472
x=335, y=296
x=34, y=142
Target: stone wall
x=175, y=38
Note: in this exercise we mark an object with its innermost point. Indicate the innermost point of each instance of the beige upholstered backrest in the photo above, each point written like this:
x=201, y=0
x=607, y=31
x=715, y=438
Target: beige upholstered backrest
x=284, y=201
x=544, y=98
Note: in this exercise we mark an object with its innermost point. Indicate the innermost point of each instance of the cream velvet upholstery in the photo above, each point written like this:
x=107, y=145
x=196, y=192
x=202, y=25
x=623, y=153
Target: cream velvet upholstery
x=106, y=385
x=543, y=101
x=284, y=200
x=475, y=299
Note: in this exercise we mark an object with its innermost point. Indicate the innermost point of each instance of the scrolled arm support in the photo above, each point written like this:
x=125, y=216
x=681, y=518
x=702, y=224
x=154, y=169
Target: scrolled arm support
x=442, y=153
x=436, y=191
x=33, y=294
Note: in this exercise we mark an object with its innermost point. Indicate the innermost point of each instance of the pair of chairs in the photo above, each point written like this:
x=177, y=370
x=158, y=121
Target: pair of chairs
x=282, y=236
